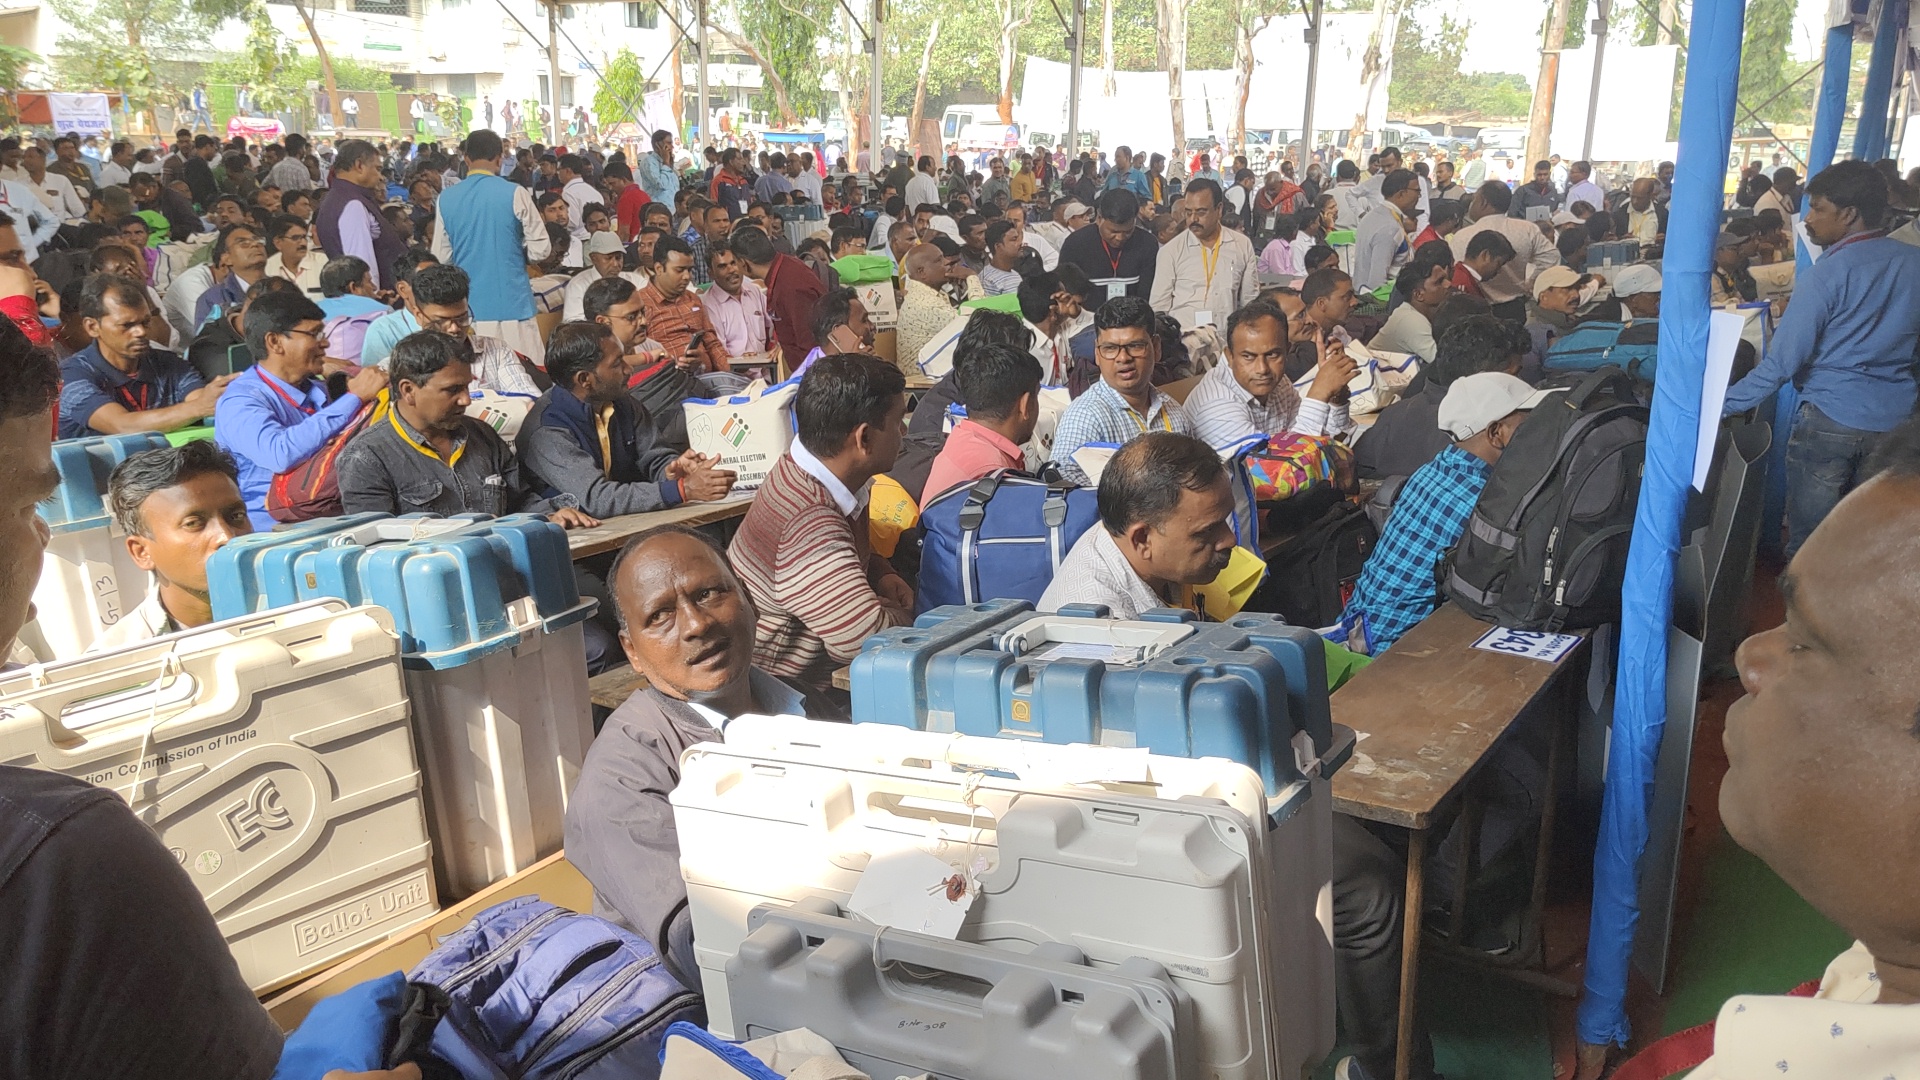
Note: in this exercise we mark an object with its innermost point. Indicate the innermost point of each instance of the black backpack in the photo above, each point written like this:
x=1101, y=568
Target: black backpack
x=1546, y=547
x=1311, y=574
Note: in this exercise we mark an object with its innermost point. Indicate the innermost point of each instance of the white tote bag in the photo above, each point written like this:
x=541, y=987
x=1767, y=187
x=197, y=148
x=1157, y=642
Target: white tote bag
x=749, y=430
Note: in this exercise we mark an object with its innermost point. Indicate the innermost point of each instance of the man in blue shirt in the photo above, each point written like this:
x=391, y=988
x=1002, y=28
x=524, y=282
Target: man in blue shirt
x=121, y=383
x=1848, y=341
x=655, y=170
x=1124, y=175
x=346, y=283
x=276, y=415
x=1398, y=586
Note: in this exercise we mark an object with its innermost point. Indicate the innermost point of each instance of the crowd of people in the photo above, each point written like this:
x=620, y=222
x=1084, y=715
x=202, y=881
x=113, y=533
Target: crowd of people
x=372, y=294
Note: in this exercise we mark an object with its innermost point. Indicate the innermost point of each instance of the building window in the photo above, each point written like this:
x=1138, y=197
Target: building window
x=449, y=5
x=566, y=91
x=566, y=11
x=643, y=17
x=463, y=86
x=381, y=7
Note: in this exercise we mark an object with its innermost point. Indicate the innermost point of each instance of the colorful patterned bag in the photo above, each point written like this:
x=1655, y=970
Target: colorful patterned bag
x=1293, y=465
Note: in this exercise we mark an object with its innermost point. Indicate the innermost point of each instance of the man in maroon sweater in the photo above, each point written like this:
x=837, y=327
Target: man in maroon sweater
x=802, y=550
x=793, y=291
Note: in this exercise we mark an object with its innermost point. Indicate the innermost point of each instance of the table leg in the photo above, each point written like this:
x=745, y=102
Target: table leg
x=1410, y=950
x=1471, y=809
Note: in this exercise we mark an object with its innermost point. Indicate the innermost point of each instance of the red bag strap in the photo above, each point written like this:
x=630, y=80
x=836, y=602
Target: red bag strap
x=1686, y=1050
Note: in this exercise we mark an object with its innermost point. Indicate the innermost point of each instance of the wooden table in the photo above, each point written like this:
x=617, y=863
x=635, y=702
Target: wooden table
x=1428, y=713
x=613, y=532
x=919, y=383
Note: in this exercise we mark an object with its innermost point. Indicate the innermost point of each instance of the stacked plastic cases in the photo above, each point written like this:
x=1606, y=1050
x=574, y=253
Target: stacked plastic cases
x=491, y=637
x=896, y=1003
x=1117, y=853
x=88, y=582
x=271, y=754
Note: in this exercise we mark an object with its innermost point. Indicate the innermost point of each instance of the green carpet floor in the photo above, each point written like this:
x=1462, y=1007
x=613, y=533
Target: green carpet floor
x=1484, y=1027
x=1750, y=934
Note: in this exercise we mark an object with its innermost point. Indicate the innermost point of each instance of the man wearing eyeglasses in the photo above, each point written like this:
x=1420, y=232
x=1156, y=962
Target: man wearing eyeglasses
x=437, y=300
x=1123, y=405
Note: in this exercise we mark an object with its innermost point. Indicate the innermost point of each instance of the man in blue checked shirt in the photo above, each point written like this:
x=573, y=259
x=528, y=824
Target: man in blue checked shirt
x=1123, y=404
x=1399, y=586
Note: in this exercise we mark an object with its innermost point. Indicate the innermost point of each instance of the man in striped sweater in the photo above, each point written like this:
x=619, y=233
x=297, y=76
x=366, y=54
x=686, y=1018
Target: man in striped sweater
x=802, y=550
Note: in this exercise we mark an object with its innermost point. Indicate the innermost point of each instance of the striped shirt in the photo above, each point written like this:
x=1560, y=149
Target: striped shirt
x=1101, y=415
x=1400, y=584
x=811, y=575
x=1223, y=412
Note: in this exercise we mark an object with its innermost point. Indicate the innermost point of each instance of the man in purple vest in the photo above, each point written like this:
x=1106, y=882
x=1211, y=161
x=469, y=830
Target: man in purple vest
x=491, y=228
x=349, y=222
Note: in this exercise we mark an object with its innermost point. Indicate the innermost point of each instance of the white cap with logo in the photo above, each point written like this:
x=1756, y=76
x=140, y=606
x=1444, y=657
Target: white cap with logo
x=1474, y=402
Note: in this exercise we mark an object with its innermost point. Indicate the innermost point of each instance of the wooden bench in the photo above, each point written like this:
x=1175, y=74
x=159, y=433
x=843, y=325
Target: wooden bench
x=1428, y=713
x=612, y=533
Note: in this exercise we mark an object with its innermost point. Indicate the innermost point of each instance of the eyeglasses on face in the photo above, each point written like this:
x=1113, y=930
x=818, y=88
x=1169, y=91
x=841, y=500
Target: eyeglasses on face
x=319, y=336
x=1138, y=350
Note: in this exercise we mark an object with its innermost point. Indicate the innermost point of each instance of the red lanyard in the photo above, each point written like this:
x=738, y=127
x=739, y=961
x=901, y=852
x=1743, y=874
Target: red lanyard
x=133, y=404
x=1113, y=259
x=302, y=406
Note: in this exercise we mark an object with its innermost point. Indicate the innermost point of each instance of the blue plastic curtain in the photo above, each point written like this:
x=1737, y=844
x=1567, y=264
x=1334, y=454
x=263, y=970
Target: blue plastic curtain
x=1693, y=224
x=1870, y=134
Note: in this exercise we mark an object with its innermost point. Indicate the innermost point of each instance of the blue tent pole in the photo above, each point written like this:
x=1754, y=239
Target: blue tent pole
x=1870, y=134
x=1829, y=113
x=1639, y=717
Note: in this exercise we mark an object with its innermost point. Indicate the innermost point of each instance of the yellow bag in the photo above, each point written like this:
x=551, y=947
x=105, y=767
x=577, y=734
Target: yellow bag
x=890, y=512
x=1225, y=595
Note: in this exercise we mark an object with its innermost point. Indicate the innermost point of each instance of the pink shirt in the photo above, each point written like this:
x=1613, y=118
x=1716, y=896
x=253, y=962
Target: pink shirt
x=742, y=323
x=971, y=452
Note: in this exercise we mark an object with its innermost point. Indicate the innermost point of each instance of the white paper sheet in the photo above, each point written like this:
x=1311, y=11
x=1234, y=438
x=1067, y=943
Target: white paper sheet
x=1723, y=337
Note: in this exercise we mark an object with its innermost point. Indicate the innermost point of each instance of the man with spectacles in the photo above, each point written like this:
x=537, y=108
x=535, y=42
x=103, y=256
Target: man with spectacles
x=437, y=300
x=615, y=304
x=293, y=257
x=276, y=414
x=1123, y=405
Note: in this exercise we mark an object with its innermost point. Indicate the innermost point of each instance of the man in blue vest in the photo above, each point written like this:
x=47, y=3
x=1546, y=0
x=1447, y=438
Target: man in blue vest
x=491, y=228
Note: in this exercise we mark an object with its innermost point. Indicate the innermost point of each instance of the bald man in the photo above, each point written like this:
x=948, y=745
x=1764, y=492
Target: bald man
x=925, y=310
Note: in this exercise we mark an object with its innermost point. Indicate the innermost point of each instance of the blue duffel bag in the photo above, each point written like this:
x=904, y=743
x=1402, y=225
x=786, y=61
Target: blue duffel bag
x=1594, y=345
x=1001, y=537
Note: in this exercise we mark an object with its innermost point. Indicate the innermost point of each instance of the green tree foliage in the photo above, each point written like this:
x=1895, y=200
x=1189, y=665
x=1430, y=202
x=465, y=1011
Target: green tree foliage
x=123, y=44
x=295, y=72
x=1766, y=70
x=622, y=85
x=787, y=33
x=14, y=62
x=1427, y=78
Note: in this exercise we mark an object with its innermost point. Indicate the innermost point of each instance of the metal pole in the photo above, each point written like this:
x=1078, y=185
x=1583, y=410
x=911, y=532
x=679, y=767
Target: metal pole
x=553, y=71
x=1599, y=32
x=700, y=98
x=873, y=98
x=1075, y=65
x=1313, y=75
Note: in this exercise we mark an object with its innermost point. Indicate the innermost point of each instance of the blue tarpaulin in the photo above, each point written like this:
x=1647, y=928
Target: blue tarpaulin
x=1870, y=134
x=1639, y=717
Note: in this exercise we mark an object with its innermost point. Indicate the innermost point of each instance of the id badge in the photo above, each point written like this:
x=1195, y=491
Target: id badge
x=1202, y=318
x=1115, y=290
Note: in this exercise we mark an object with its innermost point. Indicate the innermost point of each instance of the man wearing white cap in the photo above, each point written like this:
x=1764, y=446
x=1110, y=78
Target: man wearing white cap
x=1397, y=588
x=606, y=254
x=1068, y=215
x=1637, y=287
x=1556, y=298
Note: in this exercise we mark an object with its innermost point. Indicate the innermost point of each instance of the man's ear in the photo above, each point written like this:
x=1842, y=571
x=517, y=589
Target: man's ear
x=862, y=439
x=1135, y=537
x=140, y=549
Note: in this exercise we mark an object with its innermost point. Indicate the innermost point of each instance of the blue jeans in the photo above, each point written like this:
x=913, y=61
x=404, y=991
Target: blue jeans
x=1824, y=462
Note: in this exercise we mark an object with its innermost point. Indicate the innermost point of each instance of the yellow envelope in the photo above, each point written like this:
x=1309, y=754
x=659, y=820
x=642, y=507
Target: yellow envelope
x=1225, y=595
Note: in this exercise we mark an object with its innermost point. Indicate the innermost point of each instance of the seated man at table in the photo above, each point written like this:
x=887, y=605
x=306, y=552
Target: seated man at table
x=1406, y=434
x=1399, y=584
x=802, y=550
x=606, y=255
x=587, y=438
x=278, y=416
x=1123, y=404
x=1837, y=685
x=1250, y=393
x=1001, y=387
x=176, y=506
x=122, y=384
x=687, y=626
x=387, y=330
x=428, y=456
x=438, y=301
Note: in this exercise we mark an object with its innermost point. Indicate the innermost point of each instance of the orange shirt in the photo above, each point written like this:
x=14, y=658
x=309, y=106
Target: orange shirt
x=673, y=322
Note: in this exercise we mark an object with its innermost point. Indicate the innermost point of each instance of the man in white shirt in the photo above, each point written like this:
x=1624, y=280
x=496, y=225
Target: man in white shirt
x=1347, y=195
x=805, y=177
x=1249, y=393
x=56, y=192
x=577, y=192
x=1043, y=246
x=1381, y=245
x=118, y=168
x=923, y=189
x=1581, y=188
x=1069, y=215
x=1168, y=528
x=1821, y=757
x=606, y=254
x=1206, y=273
x=1507, y=290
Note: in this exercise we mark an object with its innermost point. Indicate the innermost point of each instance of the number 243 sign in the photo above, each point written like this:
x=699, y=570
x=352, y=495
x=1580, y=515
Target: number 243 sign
x=1532, y=644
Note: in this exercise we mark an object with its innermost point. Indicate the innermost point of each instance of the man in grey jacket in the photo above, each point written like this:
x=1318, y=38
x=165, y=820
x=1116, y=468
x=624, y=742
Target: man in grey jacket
x=688, y=626
x=587, y=438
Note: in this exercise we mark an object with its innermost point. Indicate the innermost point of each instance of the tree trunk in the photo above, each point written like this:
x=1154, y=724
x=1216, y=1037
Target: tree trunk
x=1010, y=23
x=920, y=98
x=133, y=49
x=679, y=101
x=1373, y=67
x=1540, y=119
x=1106, y=49
x=337, y=119
x=846, y=77
x=1245, y=27
x=1669, y=18
x=788, y=117
x=1176, y=35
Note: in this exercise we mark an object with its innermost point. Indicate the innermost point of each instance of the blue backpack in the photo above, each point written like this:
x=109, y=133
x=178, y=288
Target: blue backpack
x=1594, y=345
x=1000, y=538
x=540, y=992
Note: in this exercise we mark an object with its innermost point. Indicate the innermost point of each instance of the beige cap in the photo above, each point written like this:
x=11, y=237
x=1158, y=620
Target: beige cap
x=1554, y=277
x=605, y=243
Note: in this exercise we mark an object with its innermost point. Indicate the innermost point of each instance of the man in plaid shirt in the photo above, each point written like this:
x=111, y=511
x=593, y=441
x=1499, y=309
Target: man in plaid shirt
x=1400, y=583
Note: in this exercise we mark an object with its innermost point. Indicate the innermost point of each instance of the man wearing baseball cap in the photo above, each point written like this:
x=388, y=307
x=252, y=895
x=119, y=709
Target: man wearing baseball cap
x=1637, y=287
x=1069, y=214
x=607, y=255
x=1397, y=588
